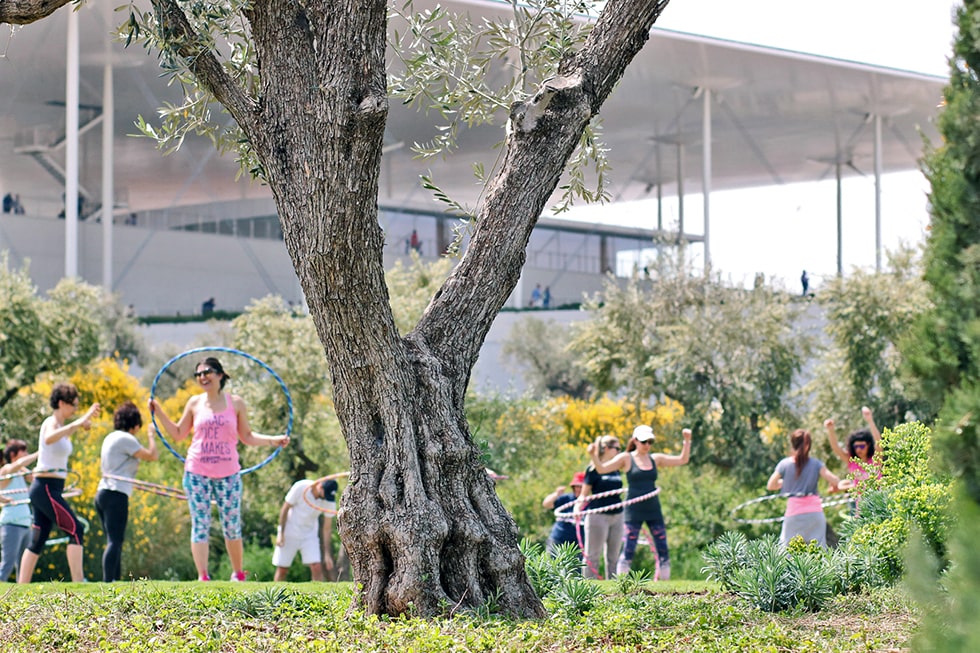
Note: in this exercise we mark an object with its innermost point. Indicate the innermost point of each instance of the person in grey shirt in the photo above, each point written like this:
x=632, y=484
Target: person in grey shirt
x=121, y=456
x=796, y=478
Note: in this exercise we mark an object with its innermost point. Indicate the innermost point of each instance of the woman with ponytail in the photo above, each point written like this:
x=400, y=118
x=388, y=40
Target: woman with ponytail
x=796, y=478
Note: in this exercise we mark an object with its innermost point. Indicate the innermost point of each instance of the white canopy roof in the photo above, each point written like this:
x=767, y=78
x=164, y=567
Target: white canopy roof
x=775, y=117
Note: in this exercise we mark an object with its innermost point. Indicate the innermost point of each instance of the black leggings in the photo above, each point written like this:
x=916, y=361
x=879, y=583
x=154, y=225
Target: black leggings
x=113, y=510
x=51, y=509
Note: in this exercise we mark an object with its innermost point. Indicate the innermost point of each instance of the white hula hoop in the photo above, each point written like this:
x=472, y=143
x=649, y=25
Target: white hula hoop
x=562, y=514
x=825, y=503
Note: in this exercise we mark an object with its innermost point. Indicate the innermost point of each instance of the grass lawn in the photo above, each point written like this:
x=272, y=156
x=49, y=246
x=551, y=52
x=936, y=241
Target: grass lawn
x=223, y=616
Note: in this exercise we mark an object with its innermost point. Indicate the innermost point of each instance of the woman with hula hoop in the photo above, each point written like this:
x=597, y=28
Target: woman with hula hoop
x=211, y=469
x=15, y=520
x=797, y=477
x=641, y=474
x=50, y=508
x=120, y=458
x=603, y=529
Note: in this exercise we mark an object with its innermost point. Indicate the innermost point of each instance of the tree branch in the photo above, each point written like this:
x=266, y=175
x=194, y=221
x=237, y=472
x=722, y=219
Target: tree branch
x=178, y=36
x=24, y=12
x=544, y=134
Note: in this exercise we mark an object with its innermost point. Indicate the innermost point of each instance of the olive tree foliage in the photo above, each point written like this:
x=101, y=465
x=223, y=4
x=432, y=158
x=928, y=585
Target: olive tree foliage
x=70, y=327
x=728, y=355
x=868, y=316
x=307, y=88
x=540, y=348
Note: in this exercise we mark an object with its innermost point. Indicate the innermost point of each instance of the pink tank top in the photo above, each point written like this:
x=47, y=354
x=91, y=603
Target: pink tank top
x=862, y=471
x=214, y=447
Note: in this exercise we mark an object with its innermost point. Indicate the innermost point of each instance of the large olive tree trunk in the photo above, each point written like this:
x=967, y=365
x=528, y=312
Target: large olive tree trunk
x=421, y=522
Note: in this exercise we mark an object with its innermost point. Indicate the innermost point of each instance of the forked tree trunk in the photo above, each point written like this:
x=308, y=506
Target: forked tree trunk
x=422, y=525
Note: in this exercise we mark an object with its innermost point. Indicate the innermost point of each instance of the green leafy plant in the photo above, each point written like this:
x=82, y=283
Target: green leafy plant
x=909, y=495
x=633, y=581
x=266, y=603
x=771, y=577
x=558, y=579
x=725, y=556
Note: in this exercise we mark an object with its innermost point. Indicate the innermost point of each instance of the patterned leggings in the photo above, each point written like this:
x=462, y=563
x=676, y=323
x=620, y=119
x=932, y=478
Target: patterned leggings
x=226, y=492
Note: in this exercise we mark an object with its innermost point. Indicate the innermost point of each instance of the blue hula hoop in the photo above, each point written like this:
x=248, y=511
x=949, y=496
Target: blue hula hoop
x=227, y=350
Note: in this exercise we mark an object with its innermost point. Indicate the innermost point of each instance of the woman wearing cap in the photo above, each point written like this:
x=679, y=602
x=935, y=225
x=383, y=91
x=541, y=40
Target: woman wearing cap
x=211, y=470
x=796, y=478
x=563, y=532
x=860, y=452
x=641, y=474
x=603, y=530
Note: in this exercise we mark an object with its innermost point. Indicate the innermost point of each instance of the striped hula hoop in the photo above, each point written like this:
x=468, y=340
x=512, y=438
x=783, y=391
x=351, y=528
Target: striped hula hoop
x=153, y=488
x=825, y=502
x=327, y=511
x=562, y=514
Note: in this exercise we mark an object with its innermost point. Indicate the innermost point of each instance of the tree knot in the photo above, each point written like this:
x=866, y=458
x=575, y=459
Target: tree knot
x=525, y=115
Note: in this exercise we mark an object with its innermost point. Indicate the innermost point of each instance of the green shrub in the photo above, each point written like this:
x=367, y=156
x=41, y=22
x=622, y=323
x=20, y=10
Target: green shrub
x=909, y=494
x=558, y=579
x=771, y=577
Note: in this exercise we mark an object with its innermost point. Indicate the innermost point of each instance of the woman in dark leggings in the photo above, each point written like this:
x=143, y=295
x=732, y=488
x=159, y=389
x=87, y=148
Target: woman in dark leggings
x=641, y=473
x=121, y=456
x=50, y=508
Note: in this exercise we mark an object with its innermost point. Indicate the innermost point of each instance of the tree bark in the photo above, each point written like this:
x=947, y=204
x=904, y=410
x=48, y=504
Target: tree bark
x=421, y=522
x=23, y=12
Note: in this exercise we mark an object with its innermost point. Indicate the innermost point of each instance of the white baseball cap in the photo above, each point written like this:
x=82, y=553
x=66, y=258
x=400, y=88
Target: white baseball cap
x=643, y=433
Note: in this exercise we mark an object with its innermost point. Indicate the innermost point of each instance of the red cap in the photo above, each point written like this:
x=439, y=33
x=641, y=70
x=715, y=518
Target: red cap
x=579, y=478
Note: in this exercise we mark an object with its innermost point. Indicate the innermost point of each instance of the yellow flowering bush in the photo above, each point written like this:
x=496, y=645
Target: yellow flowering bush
x=584, y=421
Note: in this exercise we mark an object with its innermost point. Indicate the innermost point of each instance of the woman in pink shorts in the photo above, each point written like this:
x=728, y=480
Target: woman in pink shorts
x=796, y=478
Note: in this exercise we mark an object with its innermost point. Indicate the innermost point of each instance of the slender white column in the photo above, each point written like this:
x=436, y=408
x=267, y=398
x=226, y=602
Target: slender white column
x=108, y=182
x=71, y=148
x=840, y=221
x=706, y=175
x=877, y=193
x=680, y=192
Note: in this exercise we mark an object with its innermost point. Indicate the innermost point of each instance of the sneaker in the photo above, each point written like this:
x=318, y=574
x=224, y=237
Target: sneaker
x=238, y=576
x=203, y=578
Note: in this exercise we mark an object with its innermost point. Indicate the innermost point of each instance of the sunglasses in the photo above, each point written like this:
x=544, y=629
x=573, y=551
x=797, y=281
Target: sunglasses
x=204, y=372
x=646, y=442
x=860, y=445
x=612, y=445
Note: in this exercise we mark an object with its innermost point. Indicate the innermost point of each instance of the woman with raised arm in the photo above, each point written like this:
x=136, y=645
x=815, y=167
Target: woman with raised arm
x=796, y=478
x=50, y=508
x=641, y=474
x=219, y=421
x=860, y=451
